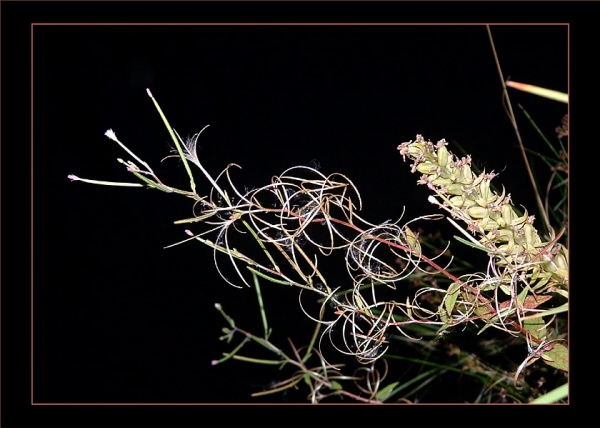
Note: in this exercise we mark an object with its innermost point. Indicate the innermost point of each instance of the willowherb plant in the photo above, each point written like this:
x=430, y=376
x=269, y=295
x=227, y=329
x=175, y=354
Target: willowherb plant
x=289, y=227
x=281, y=217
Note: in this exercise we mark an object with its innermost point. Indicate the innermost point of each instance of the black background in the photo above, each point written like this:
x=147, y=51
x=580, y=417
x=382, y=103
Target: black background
x=119, y=319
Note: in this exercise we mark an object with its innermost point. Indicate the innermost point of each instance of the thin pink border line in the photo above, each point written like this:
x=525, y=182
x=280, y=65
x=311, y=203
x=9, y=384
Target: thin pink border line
x=291, y=23
x=214, y=24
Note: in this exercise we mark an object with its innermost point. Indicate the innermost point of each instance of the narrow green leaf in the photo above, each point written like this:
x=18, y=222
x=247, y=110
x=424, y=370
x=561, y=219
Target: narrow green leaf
x=553, y=396
x=263, y=314
x=558, y=310
x=383, y=393
x=262, y=275
x=175, y=140
x=451, y=297
x=471, y=244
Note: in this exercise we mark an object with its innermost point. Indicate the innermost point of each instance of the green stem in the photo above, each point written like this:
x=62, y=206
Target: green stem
x=175, y=139
x=263, y=315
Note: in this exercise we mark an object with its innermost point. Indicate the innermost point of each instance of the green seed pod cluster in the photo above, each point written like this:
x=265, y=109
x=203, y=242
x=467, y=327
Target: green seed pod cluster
x=509, y=235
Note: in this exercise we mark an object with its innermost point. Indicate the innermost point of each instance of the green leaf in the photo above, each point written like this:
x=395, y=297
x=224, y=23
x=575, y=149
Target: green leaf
x=267, y=277
x=336, y=386
x=175, y=140
x=554, y=395
x=451, y=297
x=383, y=393
x=536, y=327
x=558, y=310
x=472, y=245
x=557, y=357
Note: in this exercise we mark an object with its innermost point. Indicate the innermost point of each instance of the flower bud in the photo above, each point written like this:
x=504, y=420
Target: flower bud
x=426, y=167
x=441, y=181
x=561, y=262
x=468, y=177
x=508, y=214
x=478, y=212
x=442, y=155
x=455, y=189
x=489, y=224
x=486, y=195
x=504, y=235
x=415, y=149
x=531, y=236
x=456, y=201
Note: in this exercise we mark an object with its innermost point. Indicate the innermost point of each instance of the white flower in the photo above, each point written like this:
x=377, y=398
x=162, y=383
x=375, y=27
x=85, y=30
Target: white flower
x=110, y=134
